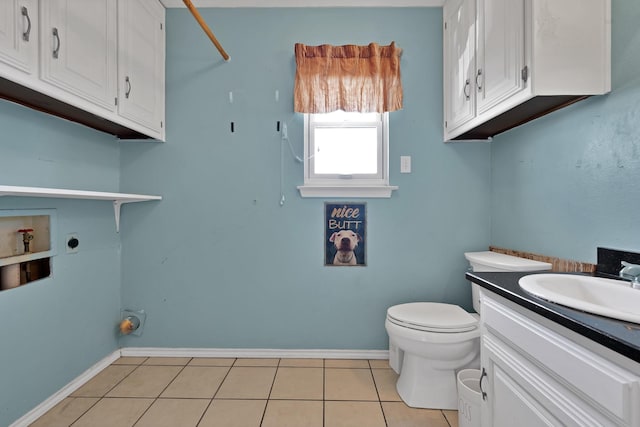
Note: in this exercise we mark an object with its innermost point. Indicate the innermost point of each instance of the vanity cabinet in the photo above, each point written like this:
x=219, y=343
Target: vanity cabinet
x=96, y=62
x=141, y=58
x=534, y=374
x=509, y=61
x=19, y=36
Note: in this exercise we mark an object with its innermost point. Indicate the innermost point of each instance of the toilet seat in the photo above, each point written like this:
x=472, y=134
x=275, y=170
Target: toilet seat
x=432, y=317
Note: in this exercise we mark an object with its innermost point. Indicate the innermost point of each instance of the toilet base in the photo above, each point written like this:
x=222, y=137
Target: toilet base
x=422, y=386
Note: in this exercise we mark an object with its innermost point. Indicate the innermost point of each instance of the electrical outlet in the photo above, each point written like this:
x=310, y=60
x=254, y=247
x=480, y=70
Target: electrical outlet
x=73, y=243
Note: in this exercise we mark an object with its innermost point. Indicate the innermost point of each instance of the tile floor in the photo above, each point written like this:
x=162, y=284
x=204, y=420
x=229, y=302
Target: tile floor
x=215, y=392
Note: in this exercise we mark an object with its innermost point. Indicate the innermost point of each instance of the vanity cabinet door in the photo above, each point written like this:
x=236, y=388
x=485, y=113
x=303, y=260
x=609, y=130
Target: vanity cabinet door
x=18, y=36
x=507, y=395
x=78, y=54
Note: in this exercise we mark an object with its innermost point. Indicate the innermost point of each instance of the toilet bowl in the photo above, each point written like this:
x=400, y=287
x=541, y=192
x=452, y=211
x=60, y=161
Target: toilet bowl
x=435, y=340
x=429, y=342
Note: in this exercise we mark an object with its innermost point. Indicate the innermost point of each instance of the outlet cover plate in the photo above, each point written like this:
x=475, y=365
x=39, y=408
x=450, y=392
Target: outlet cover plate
x=405, y=164
x=71, y=250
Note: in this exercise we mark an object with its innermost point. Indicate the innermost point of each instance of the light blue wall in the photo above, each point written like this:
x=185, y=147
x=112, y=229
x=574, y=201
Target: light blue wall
x=569, y=182
x=218, y=263
x=54, y=329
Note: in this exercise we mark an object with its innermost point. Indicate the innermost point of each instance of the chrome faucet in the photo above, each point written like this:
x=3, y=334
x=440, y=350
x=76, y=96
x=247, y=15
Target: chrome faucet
x=632, y=272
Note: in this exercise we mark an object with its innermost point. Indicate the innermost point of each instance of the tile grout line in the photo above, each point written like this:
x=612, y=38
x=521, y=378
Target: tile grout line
x=82, y=415
x=163, y=390
x=223, y=379
x=107, y=392
x=375, y=385
x=104, y=396
x=445, y=418
x=324, y=390
x=217, y=389
x=264, y=412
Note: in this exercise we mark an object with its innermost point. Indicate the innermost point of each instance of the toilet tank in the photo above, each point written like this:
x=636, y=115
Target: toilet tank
x=494, y=261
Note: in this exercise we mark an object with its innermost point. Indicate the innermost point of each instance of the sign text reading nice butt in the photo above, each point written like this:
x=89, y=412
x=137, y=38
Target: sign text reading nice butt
x=346, y=217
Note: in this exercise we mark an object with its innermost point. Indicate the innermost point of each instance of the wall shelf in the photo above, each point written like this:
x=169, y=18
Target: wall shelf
x=118, y=199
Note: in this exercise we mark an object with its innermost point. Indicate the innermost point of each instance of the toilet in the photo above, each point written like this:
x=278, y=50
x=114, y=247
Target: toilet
x=429, y=341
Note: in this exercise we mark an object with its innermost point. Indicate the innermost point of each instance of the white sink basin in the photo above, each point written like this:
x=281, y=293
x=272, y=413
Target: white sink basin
x=606, y=297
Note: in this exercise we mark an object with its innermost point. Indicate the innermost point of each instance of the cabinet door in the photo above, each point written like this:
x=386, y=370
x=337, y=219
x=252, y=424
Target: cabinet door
x=141, y=62
x=507, y=398
x=78, y=54
x=19, y=35
x=459, y=62
x=500, y=51
x=514, y=404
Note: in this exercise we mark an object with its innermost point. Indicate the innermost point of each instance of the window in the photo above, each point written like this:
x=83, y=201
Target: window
x=346, y=155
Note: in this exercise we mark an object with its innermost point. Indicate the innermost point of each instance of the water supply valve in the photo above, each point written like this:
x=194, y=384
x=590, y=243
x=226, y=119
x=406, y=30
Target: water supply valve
x=27, y=237
x=132, y=322
x=129, y=324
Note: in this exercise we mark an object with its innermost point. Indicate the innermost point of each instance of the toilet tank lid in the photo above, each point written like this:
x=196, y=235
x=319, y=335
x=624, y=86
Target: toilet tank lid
x=506, y=262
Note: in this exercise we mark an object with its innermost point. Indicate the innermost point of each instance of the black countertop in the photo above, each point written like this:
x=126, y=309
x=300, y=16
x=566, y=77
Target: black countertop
x=621, y=337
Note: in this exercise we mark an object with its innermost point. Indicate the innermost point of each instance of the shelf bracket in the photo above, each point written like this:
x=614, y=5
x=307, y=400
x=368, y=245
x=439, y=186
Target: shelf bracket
x=116, y=210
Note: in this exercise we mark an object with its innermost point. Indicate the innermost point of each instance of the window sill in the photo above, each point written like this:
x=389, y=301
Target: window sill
x=363, y=191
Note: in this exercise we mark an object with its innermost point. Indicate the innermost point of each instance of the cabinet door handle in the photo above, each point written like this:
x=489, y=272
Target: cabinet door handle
x=467, y=89
x=128, y=83
x=25, y=35
x=478, y=83
x=56, y=49
x=482, y=375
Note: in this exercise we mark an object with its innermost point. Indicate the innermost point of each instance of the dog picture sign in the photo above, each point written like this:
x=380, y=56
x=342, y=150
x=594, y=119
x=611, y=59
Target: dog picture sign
x=345, y=230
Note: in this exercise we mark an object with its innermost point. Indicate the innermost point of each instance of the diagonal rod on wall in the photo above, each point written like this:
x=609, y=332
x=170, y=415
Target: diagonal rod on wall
x=206, y=28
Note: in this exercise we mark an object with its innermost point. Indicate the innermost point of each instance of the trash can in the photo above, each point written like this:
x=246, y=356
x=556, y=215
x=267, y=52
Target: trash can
x=469, y=396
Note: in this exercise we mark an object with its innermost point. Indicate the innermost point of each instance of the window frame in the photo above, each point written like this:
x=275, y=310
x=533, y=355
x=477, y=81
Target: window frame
x=333, y=185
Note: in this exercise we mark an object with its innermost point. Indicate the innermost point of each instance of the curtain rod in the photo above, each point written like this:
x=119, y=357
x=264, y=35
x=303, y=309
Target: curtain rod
x=206, y=29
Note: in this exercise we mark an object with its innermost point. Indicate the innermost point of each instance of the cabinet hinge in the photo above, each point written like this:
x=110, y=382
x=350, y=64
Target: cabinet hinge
x=446, y=124
x=445, y=25
x=160, y=124
x=161, y=26
x=115, y=101
x=525, y=73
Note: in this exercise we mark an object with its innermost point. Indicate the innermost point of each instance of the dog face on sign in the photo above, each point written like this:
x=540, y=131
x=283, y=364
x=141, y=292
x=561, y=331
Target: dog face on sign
x=345, y=242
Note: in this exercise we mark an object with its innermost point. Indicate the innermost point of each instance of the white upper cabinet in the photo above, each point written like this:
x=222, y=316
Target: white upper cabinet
x=528, y=58
x=79, y=48
x=19, y=35
x=141, y=63
x=95, y=62
x=459, y=54
x=500, y=51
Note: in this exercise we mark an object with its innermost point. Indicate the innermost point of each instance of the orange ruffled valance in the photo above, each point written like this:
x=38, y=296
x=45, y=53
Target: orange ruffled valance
x=349, y=78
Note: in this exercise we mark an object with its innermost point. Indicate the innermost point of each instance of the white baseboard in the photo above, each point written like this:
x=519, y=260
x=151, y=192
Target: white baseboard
x=254, y=353
x=65, y=391
x=78, y=382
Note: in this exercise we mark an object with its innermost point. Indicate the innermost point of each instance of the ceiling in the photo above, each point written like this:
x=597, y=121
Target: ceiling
x=306, y=3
